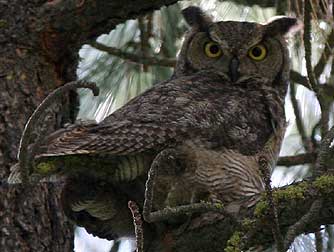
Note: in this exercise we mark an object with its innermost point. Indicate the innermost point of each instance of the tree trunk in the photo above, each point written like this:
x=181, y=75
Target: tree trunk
x=39, y=48
x=32, y=219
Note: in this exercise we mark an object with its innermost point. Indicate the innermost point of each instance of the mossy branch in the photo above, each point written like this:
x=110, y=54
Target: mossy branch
x=296, y=228
x=292, y=201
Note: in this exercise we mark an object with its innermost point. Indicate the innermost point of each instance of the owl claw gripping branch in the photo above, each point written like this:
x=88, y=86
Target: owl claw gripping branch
x=222, y=109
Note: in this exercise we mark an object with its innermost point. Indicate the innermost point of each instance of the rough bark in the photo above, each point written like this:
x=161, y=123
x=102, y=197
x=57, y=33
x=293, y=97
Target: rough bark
x=31, y=219
x=39, y=43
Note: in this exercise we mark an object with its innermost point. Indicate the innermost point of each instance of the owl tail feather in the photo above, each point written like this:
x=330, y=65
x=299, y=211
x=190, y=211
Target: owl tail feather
x=72, y=165
x=75, y=165
x=110, y=168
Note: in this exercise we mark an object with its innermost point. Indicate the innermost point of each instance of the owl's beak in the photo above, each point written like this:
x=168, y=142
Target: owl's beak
x=233, y=69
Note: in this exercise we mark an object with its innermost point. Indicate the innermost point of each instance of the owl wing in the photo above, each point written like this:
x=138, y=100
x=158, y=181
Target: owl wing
x=151, y=121
x=119, y=138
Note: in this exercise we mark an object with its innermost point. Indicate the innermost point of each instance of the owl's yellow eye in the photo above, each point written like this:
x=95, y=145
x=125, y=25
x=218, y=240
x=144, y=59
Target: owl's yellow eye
x=212, y=50
x=258, y=52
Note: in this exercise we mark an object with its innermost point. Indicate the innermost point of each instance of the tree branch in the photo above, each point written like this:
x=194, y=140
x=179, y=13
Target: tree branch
x=324, y=154
x=138, y=224
x=299, y=79
x=296, y=228
x=293, y=202
x=330, y=242
x=67, y=23
x=318, y=241
x=308, y=47
x=319, y=67
x=263, y=166
x=300, y=226
x=299, y=122
x=300, y=159
x=145, y=60
x=144, y=37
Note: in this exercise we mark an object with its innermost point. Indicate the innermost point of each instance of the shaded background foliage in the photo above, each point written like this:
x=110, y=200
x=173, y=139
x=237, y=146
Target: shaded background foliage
x=140, y=53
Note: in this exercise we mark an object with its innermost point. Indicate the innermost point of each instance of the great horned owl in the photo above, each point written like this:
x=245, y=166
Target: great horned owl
x=226, y=97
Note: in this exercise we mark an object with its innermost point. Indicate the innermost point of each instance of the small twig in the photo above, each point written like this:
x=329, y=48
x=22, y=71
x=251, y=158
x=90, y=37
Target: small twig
x=300, y=159
x=144, y=37
x=308, y=46
x=134, y=57
x=328, y=50
x=299, y=79
x=313, y=134
x=138, y=224
x=150, y=183
x=24, y=155
x=170, y=212
x=324, y=152
x=115, y=246
x=263, y=165
x=149, y=25
x=333, y=11
x=324, y=120
x=299, y=226
x=318, y=241
x=317, y=71
x=325, y=105
x=299, y=122
x=330, y=241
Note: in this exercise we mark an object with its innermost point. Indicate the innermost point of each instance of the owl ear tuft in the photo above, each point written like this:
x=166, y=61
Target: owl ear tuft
x=196, y=18
x=283, y=26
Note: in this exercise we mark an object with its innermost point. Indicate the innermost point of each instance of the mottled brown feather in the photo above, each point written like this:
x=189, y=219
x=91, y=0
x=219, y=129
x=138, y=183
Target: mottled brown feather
x=229, y=124
x=172, y=112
